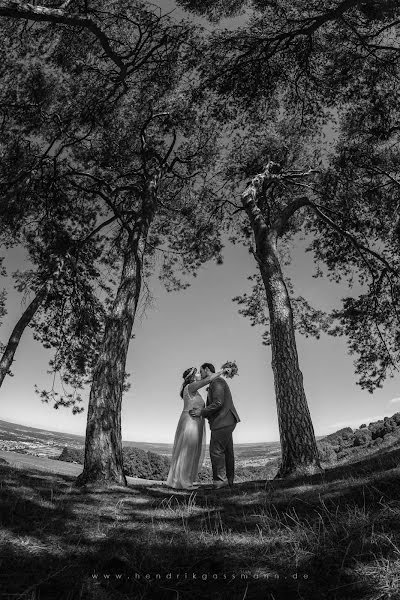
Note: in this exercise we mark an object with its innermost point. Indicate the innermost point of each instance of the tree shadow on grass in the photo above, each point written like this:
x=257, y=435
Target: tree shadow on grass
x=122, y=568
x=48, y=552
x=61, y=542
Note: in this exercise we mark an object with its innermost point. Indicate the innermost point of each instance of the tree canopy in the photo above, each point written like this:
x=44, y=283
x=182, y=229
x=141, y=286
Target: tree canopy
x=79, y=146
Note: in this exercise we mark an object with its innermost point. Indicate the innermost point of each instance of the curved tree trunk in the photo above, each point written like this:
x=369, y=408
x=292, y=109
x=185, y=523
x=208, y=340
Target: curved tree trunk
x=299, y=447
x=15, y=337
x=103, y=445
x=298, y=443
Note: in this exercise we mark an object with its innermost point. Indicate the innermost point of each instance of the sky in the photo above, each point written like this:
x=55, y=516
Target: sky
x=202, y=324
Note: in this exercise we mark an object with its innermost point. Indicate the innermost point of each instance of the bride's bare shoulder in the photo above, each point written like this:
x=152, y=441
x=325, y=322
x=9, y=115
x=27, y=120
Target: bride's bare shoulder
x=191, y=389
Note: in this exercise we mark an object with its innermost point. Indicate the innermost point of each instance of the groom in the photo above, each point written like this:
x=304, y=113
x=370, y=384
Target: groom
x=222, y=417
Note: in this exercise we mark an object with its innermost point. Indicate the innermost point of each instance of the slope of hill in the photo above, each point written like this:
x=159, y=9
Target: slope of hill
x=348, y=444
x=40, y=442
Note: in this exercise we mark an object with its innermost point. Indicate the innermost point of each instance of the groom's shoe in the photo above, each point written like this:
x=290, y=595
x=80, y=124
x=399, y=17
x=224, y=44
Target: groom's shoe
x=217, y=485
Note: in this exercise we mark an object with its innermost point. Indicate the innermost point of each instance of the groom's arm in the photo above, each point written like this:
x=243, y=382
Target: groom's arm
x=218, y=392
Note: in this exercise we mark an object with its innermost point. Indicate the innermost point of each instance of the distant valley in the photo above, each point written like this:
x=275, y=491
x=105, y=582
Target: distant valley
x=40, y=442
x=344, y=445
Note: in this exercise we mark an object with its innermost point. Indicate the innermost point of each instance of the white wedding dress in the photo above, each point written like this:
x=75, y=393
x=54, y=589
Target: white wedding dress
x=189, y=444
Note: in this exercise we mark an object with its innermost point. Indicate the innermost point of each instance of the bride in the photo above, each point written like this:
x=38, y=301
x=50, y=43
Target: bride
x=190, y=437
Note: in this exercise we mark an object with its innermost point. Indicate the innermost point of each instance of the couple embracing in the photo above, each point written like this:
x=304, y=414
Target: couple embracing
x=190, y=438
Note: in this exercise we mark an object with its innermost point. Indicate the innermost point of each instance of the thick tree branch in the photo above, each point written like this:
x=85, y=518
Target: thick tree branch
x=288, y=212
x=272, y=172
x=30, y=12
x=273, y=44
x=261, y=229
x=314, y=23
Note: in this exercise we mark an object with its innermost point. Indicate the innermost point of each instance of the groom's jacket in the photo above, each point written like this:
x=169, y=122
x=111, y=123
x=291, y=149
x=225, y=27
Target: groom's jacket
x=220, y=410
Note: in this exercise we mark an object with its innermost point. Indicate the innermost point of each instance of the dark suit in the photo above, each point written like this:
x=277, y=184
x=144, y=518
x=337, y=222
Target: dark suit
x=222, y=417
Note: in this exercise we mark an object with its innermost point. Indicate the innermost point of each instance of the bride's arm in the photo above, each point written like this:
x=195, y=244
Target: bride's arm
x=196, y=385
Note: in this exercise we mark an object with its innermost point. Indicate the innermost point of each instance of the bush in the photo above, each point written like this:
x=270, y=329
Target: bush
x=390, y=439
x=376, y=442
x=390, y=425
x=377, y=429
x=348, y=444
x=343, y=433
x=396, y=418
x=343, y=438
x=146, y=465
x=137, y=462
x=326, y=452
x=362, y=437
x=76, y=455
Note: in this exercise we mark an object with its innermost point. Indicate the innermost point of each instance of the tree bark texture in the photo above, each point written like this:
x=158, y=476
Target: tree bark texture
x=103, y=464
x=298, y=443
x=299, y=447
x=103, y=443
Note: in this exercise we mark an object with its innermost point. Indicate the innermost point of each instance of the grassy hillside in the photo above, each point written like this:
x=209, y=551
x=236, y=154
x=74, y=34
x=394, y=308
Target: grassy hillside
x=328, y=537
x=334, y=536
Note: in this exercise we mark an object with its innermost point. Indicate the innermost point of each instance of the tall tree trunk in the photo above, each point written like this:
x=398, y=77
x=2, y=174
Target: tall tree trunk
x=15, y=337
x=103, y=445
x=299, y=447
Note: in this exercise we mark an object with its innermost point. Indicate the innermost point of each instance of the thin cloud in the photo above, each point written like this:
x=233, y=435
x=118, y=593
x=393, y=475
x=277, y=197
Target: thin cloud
x=395, y=400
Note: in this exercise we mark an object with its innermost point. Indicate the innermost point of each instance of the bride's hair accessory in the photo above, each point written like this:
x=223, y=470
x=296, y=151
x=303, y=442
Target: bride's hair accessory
x=189, y=372
x=187, y=375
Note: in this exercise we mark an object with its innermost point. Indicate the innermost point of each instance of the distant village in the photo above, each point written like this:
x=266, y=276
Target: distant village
x=49, y=449
x=17, y=440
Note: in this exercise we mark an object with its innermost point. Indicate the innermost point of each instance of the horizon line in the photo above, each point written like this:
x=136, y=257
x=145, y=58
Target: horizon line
x=124, y=440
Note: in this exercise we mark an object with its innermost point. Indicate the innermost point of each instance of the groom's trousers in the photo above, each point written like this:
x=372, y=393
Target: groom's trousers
x=221, y=453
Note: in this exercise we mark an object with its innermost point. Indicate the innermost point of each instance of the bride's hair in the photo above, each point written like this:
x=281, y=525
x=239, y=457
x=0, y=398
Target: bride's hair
x=188, y=377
